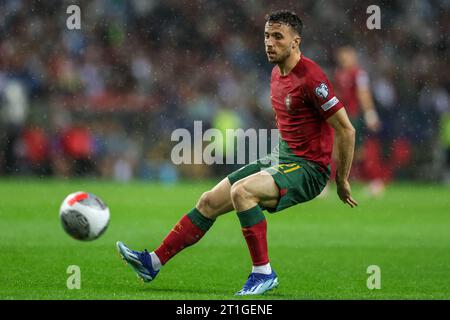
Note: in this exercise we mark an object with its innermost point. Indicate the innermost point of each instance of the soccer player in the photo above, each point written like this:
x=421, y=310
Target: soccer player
x=307, y=114
x=352, y=86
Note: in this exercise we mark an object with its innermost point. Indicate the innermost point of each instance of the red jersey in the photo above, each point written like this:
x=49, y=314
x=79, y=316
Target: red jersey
x=347, y=81
x=302, y=101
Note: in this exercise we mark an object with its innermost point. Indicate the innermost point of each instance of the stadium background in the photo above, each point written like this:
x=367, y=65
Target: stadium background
x=102, y=102
x=137, y=70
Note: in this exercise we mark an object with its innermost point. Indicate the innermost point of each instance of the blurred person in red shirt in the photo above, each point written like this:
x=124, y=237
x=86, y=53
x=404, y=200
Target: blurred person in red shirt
x=36, y=150
x=353, y=88
x=78, y=147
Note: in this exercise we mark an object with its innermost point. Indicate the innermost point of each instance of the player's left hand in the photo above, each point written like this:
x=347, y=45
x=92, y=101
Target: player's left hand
x=345, y=193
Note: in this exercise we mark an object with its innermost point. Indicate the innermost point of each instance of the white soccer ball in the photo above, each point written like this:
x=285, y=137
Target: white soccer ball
x=84, y=216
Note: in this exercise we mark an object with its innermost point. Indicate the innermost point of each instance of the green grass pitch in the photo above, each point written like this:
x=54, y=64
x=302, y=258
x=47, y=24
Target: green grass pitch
x=320, y=249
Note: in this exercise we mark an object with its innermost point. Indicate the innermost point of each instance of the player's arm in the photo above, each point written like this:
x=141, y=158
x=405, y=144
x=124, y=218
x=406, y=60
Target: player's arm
x=366, y=102
x=345, y=145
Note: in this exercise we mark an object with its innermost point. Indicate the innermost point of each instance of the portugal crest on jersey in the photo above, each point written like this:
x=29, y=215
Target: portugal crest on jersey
x=322, y=91
x=288, y=101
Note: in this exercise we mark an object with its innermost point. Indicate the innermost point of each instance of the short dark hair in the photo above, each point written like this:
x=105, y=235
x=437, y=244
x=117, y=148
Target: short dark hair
x=287, y=17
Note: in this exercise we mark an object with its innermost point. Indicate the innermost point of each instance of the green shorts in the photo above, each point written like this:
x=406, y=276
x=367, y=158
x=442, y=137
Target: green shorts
x=299, y=180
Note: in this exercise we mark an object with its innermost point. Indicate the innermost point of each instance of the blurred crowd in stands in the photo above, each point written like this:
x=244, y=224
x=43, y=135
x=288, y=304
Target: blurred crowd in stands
x=105, y=99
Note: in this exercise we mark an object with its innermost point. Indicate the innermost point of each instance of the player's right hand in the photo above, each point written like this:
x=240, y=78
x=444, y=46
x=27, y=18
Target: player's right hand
x=345, y=193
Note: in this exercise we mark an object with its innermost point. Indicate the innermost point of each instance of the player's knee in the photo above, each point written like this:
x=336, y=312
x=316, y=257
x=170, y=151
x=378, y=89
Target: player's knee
x=239, y=192
x=206, y=204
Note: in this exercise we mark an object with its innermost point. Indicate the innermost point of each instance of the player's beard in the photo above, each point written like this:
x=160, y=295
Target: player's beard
x=282, y=58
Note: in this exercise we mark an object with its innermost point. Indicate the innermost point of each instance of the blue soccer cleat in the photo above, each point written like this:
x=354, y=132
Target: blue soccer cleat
x=258, y=283
x=141, y=262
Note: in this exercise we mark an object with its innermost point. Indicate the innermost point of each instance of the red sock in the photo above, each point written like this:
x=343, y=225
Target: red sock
x=186, y=232
x=256, y=237
x=254, y=228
